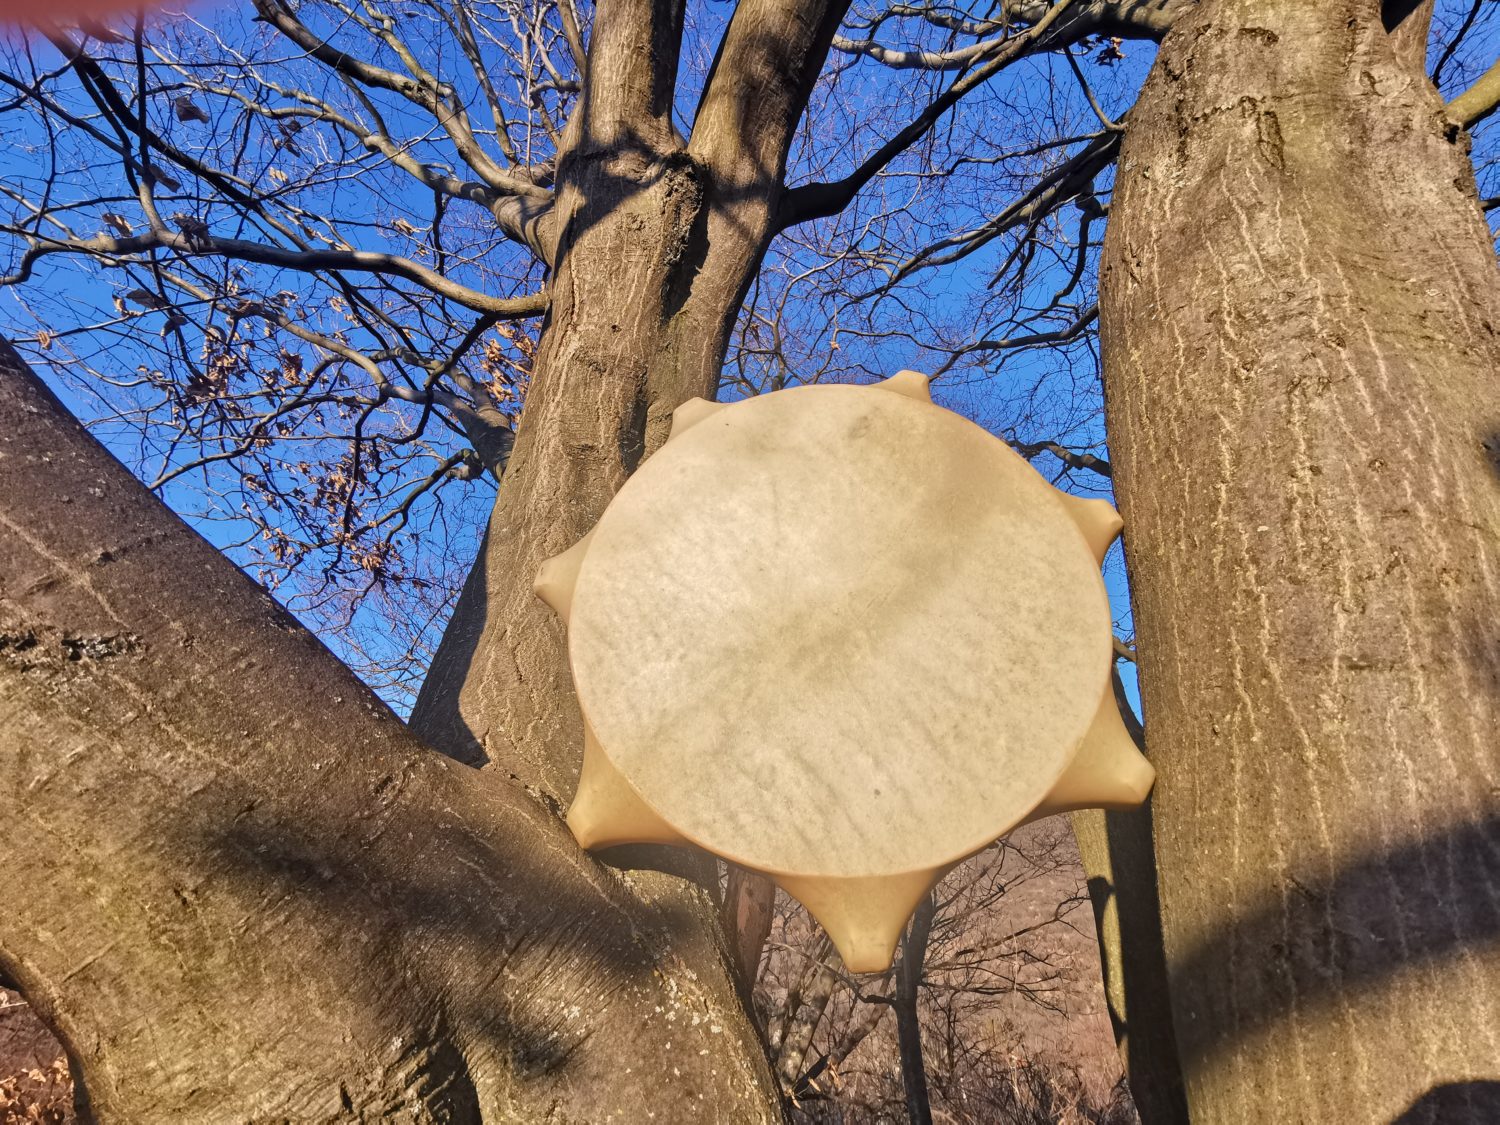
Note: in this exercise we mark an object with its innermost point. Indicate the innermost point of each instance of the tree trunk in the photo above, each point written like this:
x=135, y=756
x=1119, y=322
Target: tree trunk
x=655, y=241
x=802, y=1024
x=1117, y=852
x=238, y=889
x=908, y=994
x=746, y=914
x=1300, y=315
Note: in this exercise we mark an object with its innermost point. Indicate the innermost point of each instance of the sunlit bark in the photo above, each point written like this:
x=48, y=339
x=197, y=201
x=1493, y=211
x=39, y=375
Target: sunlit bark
x=1300, y=316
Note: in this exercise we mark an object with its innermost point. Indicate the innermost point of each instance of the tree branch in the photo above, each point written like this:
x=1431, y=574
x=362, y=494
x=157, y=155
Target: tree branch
x=898, y=59
x=818, y=200
x=1068, y=181
x=634, y=51
x=1069, y=457
x=1125, y=19
x=757, y=90
x=1062, y=335
x=306, y=261
x=422, y=90
x=1128, y=19
x=1479, y=100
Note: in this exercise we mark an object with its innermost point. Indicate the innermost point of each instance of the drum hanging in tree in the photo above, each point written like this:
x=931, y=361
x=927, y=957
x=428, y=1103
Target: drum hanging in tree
x=845, y=637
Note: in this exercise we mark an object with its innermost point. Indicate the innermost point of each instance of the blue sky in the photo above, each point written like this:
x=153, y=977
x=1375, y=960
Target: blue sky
x=821, y=333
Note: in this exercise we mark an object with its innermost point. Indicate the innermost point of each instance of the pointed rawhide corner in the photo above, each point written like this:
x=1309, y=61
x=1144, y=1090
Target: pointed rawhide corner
x=844, y=638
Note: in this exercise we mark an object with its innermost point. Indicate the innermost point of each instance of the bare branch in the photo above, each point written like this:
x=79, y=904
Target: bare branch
x=308, y=261
x=1458, y=38
x=1069, y=457
x=1033, y=340
x=423, y=90
x=898, y=59
x=1066, y=182
x=1479, y=100
x=1126, y=19
x=817, y=200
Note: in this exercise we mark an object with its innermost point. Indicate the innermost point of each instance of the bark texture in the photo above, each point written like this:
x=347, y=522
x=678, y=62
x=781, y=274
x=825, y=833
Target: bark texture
x=239, y=889
x=1300, y=315
x=653, y=242
x=657, y=238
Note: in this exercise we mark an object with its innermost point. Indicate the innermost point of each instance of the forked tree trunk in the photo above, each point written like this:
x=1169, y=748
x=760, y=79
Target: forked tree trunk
x=633, y=329
x=1300, y=320
x=656, y=239
x=239, y=889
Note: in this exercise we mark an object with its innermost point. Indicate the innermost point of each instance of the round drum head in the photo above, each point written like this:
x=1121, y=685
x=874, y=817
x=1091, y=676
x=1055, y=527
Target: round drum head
x=839, y=631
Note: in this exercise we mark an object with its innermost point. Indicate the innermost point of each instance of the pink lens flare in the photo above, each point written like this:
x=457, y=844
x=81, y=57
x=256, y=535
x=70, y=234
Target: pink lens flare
x=47, y=14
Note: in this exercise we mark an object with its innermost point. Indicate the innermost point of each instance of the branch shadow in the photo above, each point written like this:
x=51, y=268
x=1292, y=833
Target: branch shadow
x=271, y=861
x=1424, y=903
x=1454, y=1101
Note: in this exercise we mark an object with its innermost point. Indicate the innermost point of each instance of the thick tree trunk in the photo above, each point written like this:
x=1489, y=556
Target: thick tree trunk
x=656, y=241
x=615, y=360
x=1300, y=317
x=907, y=1002
x=239, y=889
x=629, y=201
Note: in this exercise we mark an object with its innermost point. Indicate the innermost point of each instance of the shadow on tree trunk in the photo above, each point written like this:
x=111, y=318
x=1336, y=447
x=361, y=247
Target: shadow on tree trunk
x=1298, y=952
